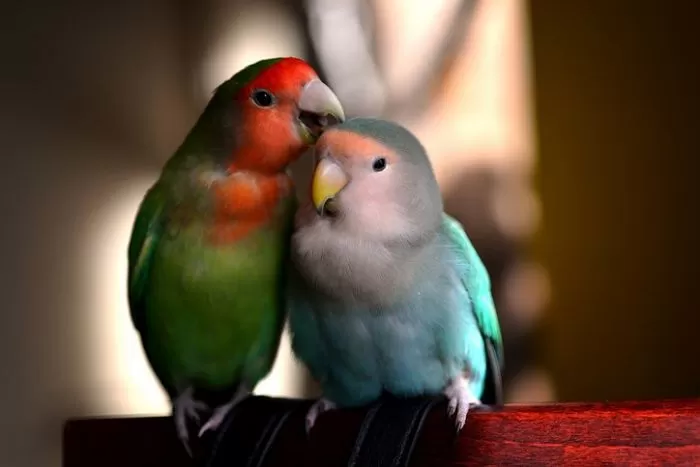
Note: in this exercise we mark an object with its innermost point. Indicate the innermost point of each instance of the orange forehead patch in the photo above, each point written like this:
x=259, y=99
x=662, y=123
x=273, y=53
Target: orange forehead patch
x=347, y=144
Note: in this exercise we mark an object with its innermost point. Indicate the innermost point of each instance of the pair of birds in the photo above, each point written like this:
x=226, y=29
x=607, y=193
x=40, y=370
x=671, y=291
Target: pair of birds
x=383, y=291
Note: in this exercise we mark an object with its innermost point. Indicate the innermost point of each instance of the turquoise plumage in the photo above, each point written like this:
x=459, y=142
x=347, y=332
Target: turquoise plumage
x=383, y=297
x=356, y=351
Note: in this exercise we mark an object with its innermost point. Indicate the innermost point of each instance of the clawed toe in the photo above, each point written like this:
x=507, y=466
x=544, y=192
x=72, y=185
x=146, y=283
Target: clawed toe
x=460, y=398
x=319, y=407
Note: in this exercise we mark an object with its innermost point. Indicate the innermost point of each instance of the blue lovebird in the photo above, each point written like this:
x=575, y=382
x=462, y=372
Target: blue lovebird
x=387, y=293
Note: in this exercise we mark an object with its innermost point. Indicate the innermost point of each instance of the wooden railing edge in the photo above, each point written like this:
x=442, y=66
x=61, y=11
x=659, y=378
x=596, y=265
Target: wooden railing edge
x=642, y=433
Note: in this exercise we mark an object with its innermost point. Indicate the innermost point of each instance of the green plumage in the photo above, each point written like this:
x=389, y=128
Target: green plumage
x=209, y=315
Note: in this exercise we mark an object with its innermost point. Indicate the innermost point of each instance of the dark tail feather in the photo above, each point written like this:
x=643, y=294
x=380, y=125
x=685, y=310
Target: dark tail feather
x=493, y=390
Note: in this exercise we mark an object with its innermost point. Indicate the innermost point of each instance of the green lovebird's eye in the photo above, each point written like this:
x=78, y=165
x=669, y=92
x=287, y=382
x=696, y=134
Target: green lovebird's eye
x=263, y=98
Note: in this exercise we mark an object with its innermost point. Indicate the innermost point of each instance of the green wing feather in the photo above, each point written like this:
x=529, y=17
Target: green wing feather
x=233, y=332
x=476, y=280
x=149, y=220
x=145, y=235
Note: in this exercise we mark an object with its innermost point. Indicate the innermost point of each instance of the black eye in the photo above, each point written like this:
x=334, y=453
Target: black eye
x=263, y=98
x=379, y=164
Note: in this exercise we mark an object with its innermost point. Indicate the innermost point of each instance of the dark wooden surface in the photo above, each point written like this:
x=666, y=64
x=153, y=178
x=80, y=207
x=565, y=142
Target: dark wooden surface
x=633, y=433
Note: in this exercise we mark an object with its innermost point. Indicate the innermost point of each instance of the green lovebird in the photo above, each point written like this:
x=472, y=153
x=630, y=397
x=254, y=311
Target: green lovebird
x=211, y=238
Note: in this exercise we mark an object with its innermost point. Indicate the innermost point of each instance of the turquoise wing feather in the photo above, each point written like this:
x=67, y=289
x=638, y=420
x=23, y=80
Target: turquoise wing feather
x=476, y=280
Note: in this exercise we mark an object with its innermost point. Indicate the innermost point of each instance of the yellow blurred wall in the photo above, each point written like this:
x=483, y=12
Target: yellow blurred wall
x=616, y=86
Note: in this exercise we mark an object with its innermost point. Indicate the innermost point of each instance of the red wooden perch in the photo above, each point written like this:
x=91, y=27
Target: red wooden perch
x=631, y=433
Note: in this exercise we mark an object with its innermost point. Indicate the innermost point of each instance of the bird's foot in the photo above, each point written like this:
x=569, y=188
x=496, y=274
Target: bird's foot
x=320, y=406
x=186, y=407
x=220, y=412
x=216, y=418
x=460, y=397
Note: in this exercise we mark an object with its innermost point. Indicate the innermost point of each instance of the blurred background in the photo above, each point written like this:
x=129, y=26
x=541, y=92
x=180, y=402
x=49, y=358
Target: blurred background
x=564, y=136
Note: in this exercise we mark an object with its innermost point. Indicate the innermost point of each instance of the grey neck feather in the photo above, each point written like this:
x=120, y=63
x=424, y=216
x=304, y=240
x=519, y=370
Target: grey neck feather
x=351, y=269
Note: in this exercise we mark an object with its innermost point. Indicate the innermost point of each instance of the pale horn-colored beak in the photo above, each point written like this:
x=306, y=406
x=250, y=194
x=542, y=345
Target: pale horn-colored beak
x=328, y=179
x=319, y=108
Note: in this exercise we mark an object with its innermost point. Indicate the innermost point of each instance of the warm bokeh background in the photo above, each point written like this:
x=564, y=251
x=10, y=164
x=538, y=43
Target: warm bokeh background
x=564, y=136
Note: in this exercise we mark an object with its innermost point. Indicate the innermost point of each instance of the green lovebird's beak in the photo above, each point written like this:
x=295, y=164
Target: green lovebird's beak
x=328, y=179
x=319, y=108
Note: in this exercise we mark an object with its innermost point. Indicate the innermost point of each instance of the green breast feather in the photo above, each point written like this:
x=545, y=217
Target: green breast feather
x=208, y=315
